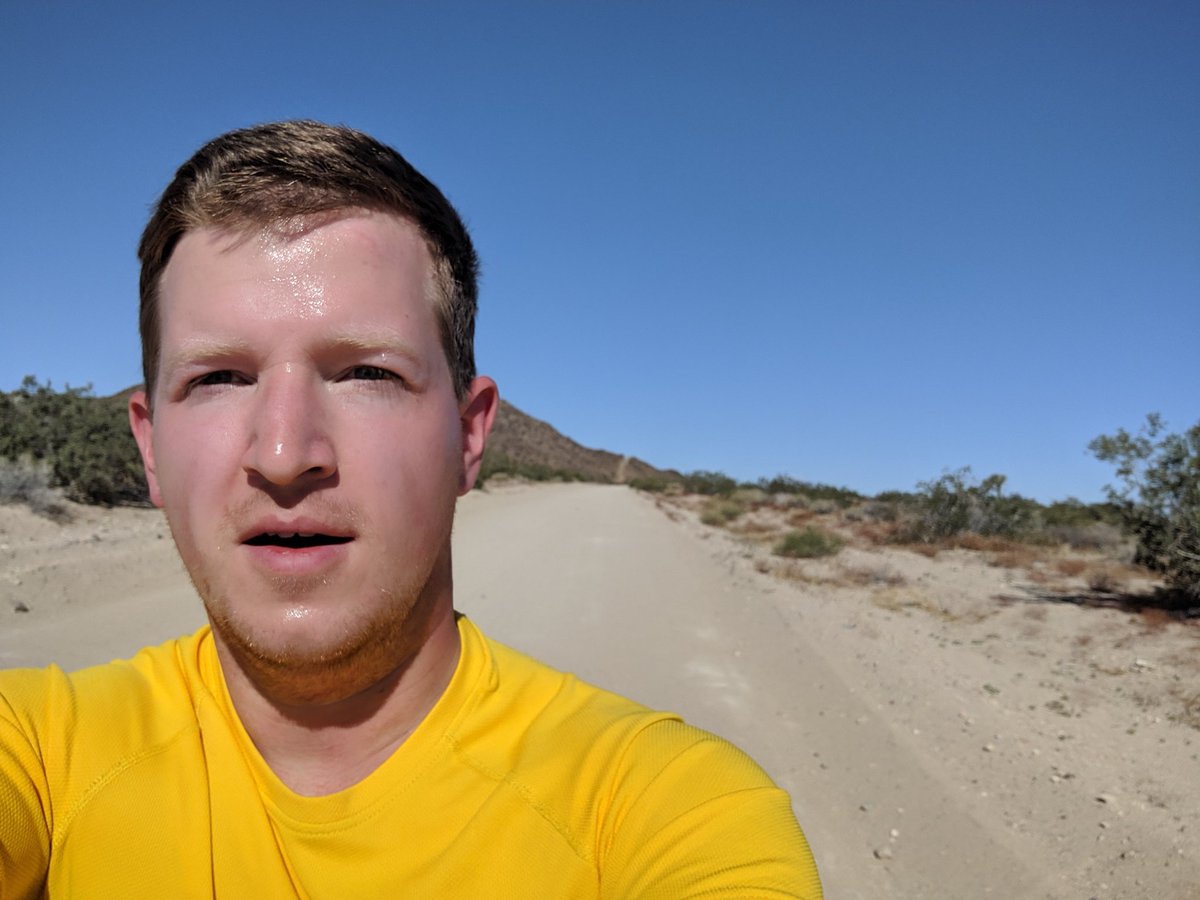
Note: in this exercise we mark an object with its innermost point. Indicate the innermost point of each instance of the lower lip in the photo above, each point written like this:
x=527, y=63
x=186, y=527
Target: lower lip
x=297, y=560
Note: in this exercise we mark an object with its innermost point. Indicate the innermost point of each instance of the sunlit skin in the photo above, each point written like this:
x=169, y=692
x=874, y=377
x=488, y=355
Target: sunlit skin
x=307, y=446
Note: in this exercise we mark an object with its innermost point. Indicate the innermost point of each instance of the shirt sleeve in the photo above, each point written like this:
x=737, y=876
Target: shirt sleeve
x=24, y=820
x=701, y=821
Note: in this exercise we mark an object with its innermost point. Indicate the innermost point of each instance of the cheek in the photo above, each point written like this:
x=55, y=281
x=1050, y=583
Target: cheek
x=190, y=456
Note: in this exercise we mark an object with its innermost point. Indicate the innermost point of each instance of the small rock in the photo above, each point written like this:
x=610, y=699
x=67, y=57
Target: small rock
x=20, y=607
x=1143, y=664
x=884, y=853
x=1106, y=798
x=988, y=748
x=895, y=833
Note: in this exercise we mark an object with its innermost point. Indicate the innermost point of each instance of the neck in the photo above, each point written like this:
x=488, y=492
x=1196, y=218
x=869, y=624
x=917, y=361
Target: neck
x=320, y=748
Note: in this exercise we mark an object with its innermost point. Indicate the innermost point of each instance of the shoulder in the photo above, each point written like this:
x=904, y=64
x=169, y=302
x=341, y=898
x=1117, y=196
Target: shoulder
x=652, y=801
x=81, y=725
x=107, y=693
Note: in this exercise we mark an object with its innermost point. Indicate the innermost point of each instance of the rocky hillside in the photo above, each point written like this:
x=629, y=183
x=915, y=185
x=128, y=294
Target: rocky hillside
x=521, y=442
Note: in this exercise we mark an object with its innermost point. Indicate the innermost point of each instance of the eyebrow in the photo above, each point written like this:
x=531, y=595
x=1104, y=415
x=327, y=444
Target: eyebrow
x=377, y=341
x=385, y=341
x=195, y=350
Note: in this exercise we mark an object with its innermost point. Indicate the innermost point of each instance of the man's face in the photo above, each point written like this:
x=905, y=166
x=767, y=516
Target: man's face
x=306, y=442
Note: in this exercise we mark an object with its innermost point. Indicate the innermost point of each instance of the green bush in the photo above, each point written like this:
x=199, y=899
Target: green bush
x=956, y=504
x=709, y=483
x=808, y=544
x=83, y=440
x=720, y=511
x=1159, y=498
x=653, y=484
x=785, y=484
x=496, y=463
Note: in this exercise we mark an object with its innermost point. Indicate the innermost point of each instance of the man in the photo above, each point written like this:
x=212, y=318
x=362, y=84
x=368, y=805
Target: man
x=311, y=413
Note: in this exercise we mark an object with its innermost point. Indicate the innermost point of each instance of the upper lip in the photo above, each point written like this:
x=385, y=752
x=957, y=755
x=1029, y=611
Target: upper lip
x=304, y=526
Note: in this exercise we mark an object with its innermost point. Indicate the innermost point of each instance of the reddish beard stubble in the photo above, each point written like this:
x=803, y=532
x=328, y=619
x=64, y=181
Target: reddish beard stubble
x=360, y=651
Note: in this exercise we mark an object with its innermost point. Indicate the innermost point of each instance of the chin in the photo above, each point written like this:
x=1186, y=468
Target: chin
x=307, y=654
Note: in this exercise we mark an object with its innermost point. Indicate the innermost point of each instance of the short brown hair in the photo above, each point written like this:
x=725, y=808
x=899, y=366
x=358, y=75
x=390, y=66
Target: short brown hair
x=259, y=176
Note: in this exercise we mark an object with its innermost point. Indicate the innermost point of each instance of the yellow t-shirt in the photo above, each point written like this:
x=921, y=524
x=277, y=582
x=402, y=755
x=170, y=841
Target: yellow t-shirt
x=136, y=779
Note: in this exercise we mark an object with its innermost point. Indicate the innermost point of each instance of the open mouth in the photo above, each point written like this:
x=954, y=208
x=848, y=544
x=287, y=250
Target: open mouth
x=295, y=540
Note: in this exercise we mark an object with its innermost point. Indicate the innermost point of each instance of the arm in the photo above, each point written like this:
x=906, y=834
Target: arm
x=24, y=813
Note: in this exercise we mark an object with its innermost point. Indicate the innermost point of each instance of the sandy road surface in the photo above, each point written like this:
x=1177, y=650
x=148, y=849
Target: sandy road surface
x=922, y=754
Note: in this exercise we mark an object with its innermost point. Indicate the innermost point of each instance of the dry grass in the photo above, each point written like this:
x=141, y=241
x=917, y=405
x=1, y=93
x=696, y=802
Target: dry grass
x=1016, y=557
x=871, y=576
x=799, y=517
x=1071, y=567
x=1189, y=706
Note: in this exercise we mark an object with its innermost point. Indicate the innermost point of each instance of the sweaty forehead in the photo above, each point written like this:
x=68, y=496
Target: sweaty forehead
x=303, y=255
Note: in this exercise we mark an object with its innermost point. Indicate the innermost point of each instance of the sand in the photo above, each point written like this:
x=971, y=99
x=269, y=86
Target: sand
x=943, y=732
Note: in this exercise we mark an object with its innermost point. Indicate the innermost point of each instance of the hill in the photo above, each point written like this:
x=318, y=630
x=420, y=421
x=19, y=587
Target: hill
x=523, y=445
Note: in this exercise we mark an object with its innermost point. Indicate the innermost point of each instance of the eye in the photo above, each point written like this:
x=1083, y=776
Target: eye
x=218, y=378
x=224, y=376
x=370, y=373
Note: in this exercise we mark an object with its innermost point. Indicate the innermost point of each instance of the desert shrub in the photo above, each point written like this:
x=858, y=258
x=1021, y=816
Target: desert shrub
x=749, y=495
x=26, y=482
x=1104, y=581
x=653, y=484
x=785, y=484
x=956, y=503
x=1159, y=498
x=84, y=441
x=1093, y=536
x=873, y=511
x=721, y=511
x=1071, y=567
x=1076, y=513
x=709, y=483
x=496, y=463
x=808, y=544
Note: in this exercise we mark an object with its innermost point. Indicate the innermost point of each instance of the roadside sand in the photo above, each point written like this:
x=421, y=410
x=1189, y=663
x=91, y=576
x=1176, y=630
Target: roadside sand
x=938, y=742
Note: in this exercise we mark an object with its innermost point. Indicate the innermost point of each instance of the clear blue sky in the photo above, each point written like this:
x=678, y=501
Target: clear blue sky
x=857, y=243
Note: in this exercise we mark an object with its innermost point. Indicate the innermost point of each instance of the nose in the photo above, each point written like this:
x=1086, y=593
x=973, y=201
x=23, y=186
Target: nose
x=289, y=440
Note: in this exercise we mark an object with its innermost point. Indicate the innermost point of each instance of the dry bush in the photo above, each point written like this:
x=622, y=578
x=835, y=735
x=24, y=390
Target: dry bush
x=1071, y=567
x=752, y=527
x=1189, y=703
x=872, y=575
x=877, y=533
x=1094, y=536
x=927, y=550
x=1105, y=580
x=800, y=517
x=1017, y=558
x=28, y=483
x=750, y=496
x=969, y=540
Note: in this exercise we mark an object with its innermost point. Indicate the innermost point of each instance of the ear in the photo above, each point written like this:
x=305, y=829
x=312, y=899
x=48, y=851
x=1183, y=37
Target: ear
x=142, y=425
x=476, y=413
